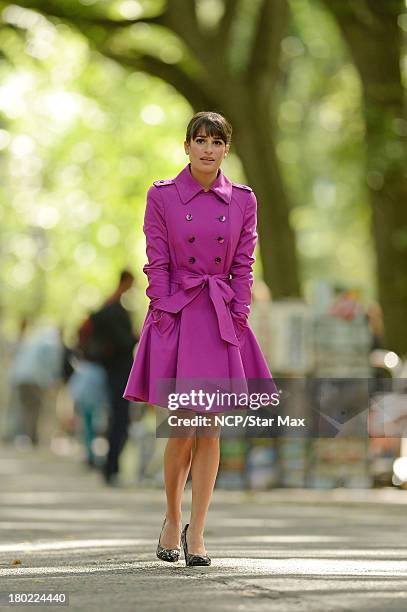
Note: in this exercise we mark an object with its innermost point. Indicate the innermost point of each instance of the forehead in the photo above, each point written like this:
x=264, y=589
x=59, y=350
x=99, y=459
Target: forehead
x=203, y=133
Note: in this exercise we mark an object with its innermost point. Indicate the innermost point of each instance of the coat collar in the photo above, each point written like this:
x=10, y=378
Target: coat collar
x=188, y=187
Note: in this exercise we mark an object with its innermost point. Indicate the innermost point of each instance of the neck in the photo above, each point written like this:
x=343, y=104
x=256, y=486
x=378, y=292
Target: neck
x=117, y=294
x=204, y=179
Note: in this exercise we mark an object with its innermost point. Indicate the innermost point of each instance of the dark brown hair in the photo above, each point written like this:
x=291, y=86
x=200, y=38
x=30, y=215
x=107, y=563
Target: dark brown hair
x=125, y=275
x=214, y=124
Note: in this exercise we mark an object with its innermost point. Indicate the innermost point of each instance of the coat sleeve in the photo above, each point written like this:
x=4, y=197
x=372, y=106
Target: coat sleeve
x=157, y=250
x=243, y=260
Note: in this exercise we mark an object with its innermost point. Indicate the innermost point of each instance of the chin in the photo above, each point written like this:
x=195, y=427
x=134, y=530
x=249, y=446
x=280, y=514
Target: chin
x=208, y=169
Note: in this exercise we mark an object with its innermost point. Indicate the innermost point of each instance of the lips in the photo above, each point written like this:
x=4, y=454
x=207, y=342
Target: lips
x=207, y=159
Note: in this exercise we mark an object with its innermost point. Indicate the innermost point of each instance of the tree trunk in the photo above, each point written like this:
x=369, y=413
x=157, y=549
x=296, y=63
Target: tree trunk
x=371, y=31
x=255, y=147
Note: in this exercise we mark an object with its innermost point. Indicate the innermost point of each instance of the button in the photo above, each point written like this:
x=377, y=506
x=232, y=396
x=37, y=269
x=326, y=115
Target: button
x=222, y=218
x=220, y=239
x=192, y=260
x=191, y=239
x=188, y=217
x=218, y=259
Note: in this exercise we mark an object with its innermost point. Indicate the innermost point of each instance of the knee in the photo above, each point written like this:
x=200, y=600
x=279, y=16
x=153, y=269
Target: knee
x=209, y=432
x=182, y=446
x=207, y=440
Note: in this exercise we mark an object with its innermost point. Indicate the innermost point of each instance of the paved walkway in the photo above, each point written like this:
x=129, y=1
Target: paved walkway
x=279, y=550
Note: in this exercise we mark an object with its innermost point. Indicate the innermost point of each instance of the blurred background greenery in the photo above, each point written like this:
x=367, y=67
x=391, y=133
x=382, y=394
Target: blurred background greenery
x=94, y=99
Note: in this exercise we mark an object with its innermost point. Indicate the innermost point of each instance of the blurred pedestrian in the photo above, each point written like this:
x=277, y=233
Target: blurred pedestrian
x=89, y=390
x=13, y=423
x=346, y=304
x=37, y=366
x=109, y=340
x=375, y=318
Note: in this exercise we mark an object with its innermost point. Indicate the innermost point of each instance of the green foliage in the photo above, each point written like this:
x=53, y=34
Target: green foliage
x=82, y=138
x=82, y=141
x=321, y=147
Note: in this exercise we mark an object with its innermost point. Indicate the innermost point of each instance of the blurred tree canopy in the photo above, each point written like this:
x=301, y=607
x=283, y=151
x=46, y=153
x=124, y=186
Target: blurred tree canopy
x=295, y=78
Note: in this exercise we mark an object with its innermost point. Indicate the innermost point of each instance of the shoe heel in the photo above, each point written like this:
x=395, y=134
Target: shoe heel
x=167, y=554
x=184, y=543
x=190, y=559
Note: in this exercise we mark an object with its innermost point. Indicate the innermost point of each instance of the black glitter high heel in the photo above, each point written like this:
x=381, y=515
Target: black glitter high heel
x=189, y=558
x=167, y=554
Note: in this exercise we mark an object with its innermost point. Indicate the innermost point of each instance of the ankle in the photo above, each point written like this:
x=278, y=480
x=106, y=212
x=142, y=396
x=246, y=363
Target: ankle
x=172, y=519
x=196, y=532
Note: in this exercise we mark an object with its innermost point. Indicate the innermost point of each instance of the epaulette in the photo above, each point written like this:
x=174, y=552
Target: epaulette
x=240, y=186
x=163, y=182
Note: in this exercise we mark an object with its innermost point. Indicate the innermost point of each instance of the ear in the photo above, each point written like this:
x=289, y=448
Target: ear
x=227, y=149
x=186, y=147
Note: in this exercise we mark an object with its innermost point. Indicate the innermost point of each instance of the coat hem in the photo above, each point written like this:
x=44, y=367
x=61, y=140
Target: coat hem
x=135, y=399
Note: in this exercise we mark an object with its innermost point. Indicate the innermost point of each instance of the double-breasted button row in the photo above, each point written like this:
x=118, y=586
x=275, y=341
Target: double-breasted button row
x=191, y=239
x=220, y=239
x=193, y=260
x=189, y=217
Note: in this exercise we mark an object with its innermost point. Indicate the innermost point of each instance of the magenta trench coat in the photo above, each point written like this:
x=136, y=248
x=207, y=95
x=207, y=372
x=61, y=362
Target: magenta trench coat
x=200, y=249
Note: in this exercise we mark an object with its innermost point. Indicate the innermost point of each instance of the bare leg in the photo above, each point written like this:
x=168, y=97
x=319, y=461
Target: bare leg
x=177, y=463
x=204, y=469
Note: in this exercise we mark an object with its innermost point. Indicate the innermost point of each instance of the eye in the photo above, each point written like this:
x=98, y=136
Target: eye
x=200, y=140
x=218, y=142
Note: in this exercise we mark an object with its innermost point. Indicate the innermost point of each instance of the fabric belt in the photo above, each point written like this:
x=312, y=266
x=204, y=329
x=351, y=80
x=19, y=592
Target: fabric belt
x=192, y=283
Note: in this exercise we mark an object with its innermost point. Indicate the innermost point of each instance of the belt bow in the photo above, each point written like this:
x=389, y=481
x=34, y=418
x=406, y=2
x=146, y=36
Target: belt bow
x=192, y=284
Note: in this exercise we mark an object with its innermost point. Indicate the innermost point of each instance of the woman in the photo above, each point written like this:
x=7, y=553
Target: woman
x=200, y=230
